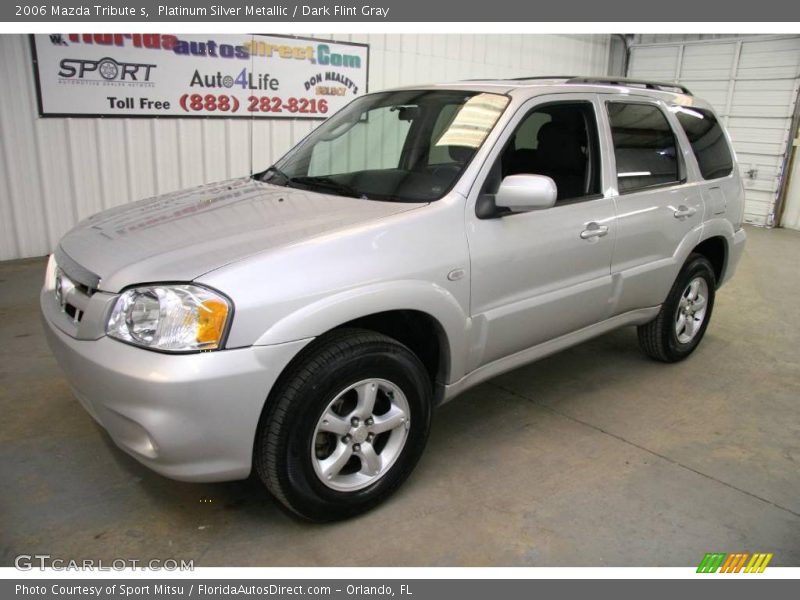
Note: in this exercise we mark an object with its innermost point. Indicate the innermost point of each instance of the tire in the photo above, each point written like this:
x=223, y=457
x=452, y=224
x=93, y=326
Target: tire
x=660, y=338
x=323, y=391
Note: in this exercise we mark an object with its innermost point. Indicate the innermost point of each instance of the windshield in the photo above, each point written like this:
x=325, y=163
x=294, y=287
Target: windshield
x=404, y=146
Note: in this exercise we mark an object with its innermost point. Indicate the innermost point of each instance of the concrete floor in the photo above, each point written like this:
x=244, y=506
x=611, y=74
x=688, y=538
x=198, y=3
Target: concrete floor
x=595, y=456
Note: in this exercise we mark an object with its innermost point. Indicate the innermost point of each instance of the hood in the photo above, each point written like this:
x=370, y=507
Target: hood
x=183, y=235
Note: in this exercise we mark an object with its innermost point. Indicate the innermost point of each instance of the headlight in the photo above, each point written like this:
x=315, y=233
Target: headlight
x=174, y=318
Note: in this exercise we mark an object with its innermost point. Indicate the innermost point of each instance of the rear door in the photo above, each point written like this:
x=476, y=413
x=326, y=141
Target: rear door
x=658, y=209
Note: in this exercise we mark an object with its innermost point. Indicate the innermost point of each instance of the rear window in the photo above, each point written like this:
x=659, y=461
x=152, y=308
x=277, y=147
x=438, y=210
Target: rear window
x=708, y=142
x=644, y=146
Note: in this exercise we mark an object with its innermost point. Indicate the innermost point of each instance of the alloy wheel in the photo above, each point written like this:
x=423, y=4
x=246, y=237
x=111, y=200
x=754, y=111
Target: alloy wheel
x=360, y=435
x=691, y=310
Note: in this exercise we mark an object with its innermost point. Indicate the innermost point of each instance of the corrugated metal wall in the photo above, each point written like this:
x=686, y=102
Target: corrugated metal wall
x=661, y=38
x=791, y=211
x=54, y=172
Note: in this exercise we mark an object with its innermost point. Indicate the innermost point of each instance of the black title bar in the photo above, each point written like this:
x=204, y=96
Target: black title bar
x=710, y=11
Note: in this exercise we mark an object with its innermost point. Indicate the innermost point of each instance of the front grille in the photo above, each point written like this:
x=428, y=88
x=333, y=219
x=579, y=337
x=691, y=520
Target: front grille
x=76, y=304
x=72, y=296
x=74, y=314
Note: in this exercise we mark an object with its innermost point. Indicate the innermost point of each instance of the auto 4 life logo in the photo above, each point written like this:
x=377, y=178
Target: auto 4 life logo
x=737, y=562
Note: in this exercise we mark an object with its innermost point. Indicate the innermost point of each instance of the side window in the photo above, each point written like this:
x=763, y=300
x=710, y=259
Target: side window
x=644, y=146
x=558, y=140
x=708, y=142
x=527, y=135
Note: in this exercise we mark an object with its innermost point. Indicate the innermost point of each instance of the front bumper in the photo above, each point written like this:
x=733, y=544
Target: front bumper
x=189, y=416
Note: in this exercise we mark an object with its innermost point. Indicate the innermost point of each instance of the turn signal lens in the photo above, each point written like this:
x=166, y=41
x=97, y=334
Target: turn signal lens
x=211, y=318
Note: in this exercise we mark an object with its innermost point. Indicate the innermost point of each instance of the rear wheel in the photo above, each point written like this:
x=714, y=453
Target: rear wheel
x=345, y=426
x=680, y=325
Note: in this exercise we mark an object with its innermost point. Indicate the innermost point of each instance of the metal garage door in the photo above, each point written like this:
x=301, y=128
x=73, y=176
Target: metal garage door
x=752, y=83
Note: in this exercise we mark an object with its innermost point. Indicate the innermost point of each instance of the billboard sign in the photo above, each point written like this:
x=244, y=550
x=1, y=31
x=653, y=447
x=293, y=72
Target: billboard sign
x=166, y=75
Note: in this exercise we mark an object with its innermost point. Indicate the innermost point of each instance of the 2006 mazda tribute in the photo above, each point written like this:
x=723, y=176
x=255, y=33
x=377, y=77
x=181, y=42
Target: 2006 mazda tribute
x=305, y=321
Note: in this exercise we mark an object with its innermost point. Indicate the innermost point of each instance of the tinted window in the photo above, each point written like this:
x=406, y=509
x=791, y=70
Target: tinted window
x=557, y=140
x=708, y=142
x=644, y=146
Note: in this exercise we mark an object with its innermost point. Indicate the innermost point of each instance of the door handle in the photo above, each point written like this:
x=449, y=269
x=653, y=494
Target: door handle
x=594, y=230
x=684, y=211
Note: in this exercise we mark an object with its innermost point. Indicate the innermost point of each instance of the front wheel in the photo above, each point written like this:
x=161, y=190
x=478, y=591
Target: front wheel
x=345, y=426
x=680, y=325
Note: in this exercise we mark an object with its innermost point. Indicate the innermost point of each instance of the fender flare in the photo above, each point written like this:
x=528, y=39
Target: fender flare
x=722, y=228
x=316, y=318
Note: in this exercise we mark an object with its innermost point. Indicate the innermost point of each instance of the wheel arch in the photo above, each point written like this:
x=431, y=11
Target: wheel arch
x=715, y=249
x=420, y=332
x=714, y=244
x=423, y=316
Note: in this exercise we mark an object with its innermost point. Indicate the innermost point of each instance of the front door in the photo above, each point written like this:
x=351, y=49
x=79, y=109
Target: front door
x=541, y=274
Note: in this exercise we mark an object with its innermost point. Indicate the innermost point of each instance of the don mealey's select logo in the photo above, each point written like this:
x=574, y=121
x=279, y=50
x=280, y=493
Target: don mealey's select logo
x=104, y=69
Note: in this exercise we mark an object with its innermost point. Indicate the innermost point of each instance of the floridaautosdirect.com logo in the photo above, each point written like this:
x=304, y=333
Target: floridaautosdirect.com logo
x=315, y=52
x=737, y=562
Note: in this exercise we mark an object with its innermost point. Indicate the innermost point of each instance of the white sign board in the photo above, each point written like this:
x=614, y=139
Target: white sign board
x=165, y=75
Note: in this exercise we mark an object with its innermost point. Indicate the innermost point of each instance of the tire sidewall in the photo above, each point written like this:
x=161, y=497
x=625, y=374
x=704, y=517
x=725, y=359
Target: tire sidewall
x=696, y=267
x=300, y=482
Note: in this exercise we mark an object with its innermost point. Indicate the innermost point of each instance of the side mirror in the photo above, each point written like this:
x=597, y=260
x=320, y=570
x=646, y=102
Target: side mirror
x=521, y=193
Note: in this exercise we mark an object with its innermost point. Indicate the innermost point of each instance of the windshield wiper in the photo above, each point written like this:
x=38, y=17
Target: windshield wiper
x=327, y=183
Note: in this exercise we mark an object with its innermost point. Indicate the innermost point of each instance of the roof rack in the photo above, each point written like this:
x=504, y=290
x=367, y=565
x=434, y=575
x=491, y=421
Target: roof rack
x=660, y=86
x=650, y=85
x=532, y=77
x=567, y=77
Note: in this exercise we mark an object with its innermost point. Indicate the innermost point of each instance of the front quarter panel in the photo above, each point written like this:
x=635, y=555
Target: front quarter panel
x=401, y=262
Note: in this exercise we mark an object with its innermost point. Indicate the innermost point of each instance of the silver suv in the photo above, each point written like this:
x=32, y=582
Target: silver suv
x=305, y=321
